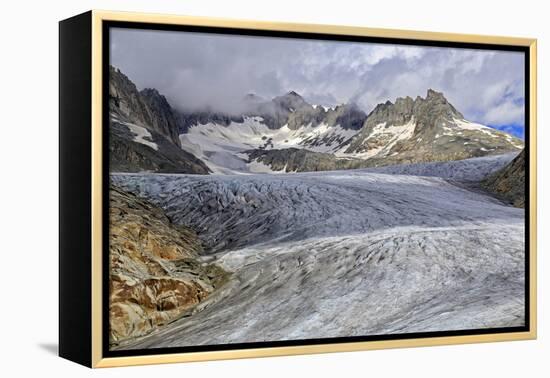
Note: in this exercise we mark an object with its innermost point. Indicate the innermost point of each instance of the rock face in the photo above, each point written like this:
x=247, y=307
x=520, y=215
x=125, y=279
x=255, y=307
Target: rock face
x=472, y=170
x=149, y=135
x=152, y=152
x=165, y=119
x=408, y=131
x=349, y=116
x=301, y=160
x=144, y=131
x=155, y=272
x=203, y=117
x=509, y=182
x=290, y=109
x=423, y=130
x=147, y=108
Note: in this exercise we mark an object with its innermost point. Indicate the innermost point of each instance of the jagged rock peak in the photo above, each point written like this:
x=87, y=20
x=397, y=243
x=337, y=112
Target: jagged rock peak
x=404, y=101
x=434, y=94
x=292, y=97
x=153, y=94
x=431, y=95
x=293, y=93
x=429, y=115
x=116, y=71
x=147, y=108
x=348, y=116
x=291, y=101
x=404, y=107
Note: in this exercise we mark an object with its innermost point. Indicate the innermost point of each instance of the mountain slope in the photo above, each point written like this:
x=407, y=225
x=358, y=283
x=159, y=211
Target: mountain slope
x=155, y=274
x=301, y=160
x=225, y=147
x=133, y=148
x=509, y=182
x=286, y=121
x=262, y=135
x=408, y=131
x=144, y=131
x=147, y=108
x=423, y=130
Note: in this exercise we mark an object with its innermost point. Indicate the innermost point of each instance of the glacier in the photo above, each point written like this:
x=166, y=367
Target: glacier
x=222, y=147
x=466, y=170
x=344, y=253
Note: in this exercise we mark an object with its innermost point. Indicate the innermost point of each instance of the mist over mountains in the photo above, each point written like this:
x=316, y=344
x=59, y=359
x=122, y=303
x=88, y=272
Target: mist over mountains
x=280, y=219
x=262, y=135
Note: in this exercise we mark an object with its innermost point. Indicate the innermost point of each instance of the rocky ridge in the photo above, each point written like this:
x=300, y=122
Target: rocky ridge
x=509, y=182
x=146, y=108
x=147, y=134
x=302, y=160
x=155, y=271
x=426, y=129
x=409, y=131
x=144, y=131
x=289, y=109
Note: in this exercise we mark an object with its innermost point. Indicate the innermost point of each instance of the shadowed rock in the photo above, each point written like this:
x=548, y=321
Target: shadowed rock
x=144, y=131
x=423, y=130
x=509, y=183
x=155, y=274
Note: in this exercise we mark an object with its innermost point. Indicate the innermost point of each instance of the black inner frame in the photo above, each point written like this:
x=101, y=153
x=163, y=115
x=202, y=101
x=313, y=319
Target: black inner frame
x=106, y=25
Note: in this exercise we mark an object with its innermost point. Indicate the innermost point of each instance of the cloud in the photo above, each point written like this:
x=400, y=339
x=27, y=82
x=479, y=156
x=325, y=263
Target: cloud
x=195, y=70
x=504, y=114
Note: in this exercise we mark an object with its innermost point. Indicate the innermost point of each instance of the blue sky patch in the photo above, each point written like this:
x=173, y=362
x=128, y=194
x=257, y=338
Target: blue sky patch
x=515, y=130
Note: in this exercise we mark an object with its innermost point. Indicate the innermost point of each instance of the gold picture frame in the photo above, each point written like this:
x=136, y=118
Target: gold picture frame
x=90, y=329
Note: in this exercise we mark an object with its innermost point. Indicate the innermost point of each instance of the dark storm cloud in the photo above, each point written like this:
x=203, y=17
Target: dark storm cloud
x=196, y=70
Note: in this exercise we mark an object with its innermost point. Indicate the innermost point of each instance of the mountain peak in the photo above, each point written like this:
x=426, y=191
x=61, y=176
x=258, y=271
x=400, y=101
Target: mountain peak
x=432, y=94
x=153, y=96
x=150, y=92
x=293, y=94
x=291, y=101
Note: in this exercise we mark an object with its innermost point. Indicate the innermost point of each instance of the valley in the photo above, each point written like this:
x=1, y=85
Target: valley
x=285, y=220
x=342, y=253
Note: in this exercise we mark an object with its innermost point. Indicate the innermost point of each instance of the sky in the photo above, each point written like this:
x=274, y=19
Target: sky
x=195, y=70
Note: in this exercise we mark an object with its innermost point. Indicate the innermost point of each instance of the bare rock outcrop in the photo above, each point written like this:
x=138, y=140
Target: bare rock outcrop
x=144, y=131
x=426, y=130
x=509, y=182
x=155, y=273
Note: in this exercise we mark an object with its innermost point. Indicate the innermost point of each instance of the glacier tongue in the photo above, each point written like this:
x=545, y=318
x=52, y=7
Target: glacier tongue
x=342, y=253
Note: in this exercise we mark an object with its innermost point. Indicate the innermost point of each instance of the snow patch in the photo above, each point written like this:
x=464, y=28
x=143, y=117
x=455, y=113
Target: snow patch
x=259, y=167
x=467, y=125
x=140, y=134
x=401, y=133
x=211, y=141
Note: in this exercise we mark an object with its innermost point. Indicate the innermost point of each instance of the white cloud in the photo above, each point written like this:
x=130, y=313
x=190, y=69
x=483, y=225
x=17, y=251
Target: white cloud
x=506, y=113
x=194, y=69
